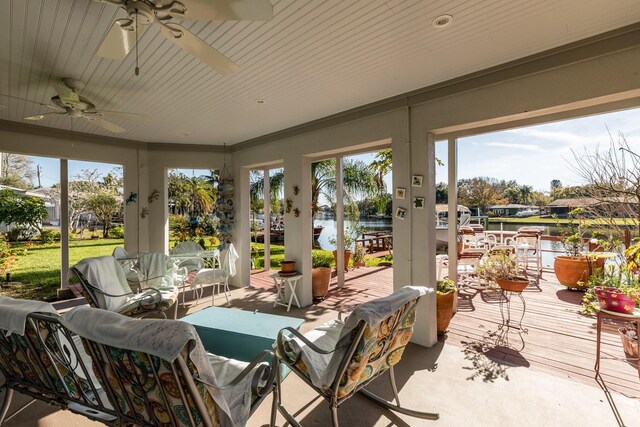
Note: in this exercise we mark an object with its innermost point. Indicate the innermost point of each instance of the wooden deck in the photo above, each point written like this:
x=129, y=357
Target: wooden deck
x=558, y=341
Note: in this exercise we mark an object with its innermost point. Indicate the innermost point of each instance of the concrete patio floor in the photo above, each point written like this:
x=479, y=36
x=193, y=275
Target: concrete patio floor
x=466, y=387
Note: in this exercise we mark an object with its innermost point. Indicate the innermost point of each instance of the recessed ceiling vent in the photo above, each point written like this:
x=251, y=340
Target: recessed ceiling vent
x=442, y=21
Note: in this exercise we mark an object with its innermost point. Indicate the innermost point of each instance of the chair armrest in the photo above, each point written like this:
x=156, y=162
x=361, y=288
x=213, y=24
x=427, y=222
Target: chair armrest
x=280, y=344
x=266, y=373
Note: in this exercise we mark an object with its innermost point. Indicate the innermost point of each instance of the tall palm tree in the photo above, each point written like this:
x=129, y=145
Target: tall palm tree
x=358, y=180
x=202, y=195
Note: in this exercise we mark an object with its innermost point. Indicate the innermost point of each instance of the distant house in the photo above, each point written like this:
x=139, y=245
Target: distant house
x=53, y=206
x=611, y=206
x=508, y=210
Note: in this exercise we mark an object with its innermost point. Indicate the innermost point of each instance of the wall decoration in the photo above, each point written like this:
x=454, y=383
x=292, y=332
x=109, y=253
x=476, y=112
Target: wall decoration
x=401, y=213
x=155, y=195
x=400, y=193
x=416, y=181
x=133, y=197
x=418, y=202
x=144, y=213
x=289, y=205
x=296, y=190
x=296, y=212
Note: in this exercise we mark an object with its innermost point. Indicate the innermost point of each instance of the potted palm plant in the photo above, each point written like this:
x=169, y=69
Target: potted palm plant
x=320, y=273
x=445, y=298
x=502, y=268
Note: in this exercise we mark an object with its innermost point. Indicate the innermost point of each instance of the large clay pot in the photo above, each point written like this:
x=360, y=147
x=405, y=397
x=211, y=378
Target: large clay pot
x=347, y=257
x=320, y=278
x=512, y=285
x=571, y=270
x=444, y=310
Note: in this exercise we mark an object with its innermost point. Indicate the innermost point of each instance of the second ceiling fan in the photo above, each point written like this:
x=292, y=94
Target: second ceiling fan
x=124, y=33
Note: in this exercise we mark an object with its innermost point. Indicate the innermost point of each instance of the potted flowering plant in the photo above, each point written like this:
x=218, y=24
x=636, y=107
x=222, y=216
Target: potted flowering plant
x=502, y=268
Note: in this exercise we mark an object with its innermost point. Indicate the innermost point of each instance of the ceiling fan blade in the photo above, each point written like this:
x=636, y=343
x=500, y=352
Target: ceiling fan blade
x=67, y=95
x=28, y=100
x=43, y=116
x=198, y=48
x=105, y=124
x=119, y=41
x=126, y=116
x=228, y=10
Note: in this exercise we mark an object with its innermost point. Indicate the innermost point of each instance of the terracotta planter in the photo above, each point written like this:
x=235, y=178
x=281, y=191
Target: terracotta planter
x=357, y=264
x=287, y=266
x=444, y=310
x=347, y=257
x=512, y=285
x=569, y=270
x=320, y=278
x=629, y=344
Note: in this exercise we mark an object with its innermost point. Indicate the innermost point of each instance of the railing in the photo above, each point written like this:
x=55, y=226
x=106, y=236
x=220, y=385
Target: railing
x=375, y=241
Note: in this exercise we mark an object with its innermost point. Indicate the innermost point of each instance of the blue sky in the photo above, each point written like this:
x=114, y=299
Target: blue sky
x=533, y=155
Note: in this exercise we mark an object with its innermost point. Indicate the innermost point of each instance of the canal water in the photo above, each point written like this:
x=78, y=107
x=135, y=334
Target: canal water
x=549, y=248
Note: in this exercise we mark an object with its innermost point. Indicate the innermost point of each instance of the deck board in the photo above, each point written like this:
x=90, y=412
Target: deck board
x=560, y=341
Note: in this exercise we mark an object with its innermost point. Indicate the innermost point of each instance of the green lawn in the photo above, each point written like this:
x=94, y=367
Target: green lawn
x=39, y=270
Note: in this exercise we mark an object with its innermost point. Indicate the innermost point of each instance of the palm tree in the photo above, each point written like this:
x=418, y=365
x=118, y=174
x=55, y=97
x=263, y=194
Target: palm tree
x=202, y=195
x=358, y=180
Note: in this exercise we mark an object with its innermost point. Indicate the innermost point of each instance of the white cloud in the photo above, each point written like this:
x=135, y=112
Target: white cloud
x=515, y=146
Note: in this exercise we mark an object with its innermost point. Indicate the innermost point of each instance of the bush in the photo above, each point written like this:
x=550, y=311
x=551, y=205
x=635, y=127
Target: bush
x=116, y=232
x=179, y=227
x=320, y=258
x=49, y=235
x=21, y=233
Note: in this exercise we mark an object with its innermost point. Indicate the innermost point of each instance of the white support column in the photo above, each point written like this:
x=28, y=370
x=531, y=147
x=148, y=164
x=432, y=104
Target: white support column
x=64, y=224
x=340, y=221
x=452, y=232
x=425, y=331
x=266, y=192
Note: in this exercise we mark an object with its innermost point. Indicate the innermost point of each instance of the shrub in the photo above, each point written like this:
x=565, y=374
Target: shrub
x=116, y=232
x=21, y=233
x=49, y=235
x=7, y=258
x=320, y=258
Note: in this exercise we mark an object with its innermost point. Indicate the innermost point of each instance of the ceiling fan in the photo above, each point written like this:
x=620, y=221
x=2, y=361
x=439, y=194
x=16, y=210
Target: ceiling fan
x=124, y=33
x=75, y=105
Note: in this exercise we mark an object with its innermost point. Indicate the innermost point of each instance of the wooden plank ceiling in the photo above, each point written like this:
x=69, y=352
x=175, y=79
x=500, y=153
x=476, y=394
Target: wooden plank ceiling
x=315, y=58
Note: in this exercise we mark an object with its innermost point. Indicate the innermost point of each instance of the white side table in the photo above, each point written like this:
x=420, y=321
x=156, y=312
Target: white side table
x=289, y=281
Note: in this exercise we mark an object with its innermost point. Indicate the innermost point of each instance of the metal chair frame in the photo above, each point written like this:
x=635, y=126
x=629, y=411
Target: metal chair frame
x=181, y=376
x=87, y=402
x=331, y=394
x=91, y=291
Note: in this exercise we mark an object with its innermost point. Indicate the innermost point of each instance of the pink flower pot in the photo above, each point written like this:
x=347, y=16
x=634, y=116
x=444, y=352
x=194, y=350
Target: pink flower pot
x=612, y=299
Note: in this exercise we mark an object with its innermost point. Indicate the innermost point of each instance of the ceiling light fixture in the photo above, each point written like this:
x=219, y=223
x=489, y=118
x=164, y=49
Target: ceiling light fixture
x=442, y=21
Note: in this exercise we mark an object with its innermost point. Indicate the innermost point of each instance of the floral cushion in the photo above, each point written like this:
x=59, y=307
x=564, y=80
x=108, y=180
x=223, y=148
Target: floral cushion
x=151, y=399
x=17, y=360
x=378, y=349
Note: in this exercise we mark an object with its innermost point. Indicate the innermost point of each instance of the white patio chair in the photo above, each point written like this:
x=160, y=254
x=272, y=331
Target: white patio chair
x=181, y=253
x=218, y=277
x=527, y=249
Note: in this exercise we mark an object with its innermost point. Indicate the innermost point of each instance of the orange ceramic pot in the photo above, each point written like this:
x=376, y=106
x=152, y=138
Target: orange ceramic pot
x=512, y=285
x=571, y=270
x=444, y=310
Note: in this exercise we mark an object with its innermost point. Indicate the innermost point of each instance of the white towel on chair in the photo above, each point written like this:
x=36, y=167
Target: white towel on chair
x=14, y=312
